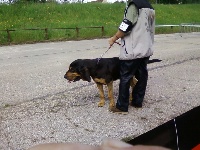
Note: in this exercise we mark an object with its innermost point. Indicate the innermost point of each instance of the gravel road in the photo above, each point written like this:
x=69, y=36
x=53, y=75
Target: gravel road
x=37, y=105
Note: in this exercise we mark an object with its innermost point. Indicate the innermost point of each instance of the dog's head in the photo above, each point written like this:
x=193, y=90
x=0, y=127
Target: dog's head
x=78, y=70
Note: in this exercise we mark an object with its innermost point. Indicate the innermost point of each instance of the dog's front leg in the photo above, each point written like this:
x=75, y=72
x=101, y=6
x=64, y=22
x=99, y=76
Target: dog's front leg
x=101, y=93
x=110, y=94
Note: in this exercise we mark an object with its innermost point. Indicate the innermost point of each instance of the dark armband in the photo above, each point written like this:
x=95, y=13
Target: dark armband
x=126, y=26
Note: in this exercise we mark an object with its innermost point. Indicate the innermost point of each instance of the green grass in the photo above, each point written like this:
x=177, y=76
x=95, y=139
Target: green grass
x=52, y=15
x=55, y=15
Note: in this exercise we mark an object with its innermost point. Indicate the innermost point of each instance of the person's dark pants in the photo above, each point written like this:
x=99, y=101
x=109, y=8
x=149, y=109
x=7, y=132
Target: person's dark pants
x=128, y=69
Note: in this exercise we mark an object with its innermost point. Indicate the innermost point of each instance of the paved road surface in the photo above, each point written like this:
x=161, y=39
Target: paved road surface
x=37, y=104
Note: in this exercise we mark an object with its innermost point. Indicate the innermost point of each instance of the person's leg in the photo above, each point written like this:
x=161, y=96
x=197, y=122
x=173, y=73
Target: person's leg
x=127, y=71
x=142, y=76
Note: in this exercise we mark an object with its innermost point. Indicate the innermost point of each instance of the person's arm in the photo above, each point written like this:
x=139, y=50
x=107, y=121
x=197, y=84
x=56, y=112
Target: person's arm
x=118, y=35
x=126, y=25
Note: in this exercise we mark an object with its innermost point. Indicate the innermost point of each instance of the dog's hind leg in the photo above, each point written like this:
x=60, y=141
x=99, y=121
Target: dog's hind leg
x=101, y=93
x=110, y=94
x=133, y=82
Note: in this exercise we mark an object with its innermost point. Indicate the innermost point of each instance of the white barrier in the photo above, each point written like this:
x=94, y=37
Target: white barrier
x=184, y=27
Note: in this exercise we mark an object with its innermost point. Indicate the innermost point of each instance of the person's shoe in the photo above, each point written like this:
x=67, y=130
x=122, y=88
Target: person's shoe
x=118, y=111
x=136, y=105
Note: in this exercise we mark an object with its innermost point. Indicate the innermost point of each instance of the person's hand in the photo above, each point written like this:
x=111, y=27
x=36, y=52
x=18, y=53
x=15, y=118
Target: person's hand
x=111, y=41
x=108, y=144
x=111, y=144
x=63, y=146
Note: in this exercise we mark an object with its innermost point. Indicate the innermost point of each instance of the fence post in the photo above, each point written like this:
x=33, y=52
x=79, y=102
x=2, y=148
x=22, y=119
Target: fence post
x=46, y=33
x=102, y=31
x=77, y=32
x=8, y=32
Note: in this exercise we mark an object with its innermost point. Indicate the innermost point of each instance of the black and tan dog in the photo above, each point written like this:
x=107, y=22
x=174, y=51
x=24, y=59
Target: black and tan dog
x=103, y=72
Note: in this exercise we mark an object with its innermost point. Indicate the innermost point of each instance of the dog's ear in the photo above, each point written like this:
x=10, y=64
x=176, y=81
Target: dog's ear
x=85, y=74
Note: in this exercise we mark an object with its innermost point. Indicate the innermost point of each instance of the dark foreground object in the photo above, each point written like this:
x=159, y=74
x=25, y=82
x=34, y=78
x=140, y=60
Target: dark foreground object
x=187, y=137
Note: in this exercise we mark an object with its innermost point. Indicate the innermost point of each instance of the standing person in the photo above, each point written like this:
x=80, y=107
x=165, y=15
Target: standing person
x=137, y=36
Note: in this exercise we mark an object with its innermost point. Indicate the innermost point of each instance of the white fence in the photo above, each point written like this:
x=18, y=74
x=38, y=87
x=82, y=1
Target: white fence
x=6, y=1
x=190, y=27
x=184, y=27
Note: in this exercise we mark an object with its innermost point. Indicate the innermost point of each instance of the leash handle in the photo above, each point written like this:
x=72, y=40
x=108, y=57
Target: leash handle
x=117, y=43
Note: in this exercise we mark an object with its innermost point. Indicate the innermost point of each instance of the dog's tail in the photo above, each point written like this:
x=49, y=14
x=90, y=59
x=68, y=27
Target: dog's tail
x=154, y=60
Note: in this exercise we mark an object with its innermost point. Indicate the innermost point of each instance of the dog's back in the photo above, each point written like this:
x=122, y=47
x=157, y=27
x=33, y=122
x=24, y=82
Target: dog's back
x=108, y=69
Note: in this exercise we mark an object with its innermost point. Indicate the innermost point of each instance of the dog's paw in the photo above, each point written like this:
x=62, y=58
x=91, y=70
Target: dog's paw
x=111, y=105
x=101, y=104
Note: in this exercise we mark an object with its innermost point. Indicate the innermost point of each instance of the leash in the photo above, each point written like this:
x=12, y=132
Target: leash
x=106, y=52
x=103, y=54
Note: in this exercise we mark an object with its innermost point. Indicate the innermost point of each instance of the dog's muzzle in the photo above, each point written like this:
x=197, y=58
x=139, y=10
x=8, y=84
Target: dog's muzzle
x=72, y=78
x=65, y=76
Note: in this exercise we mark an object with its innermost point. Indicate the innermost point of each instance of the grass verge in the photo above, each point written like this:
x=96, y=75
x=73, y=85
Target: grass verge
x=51, y=15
